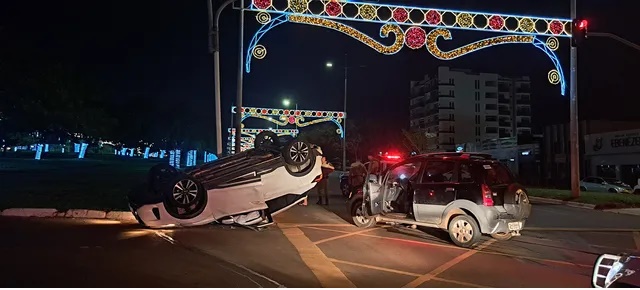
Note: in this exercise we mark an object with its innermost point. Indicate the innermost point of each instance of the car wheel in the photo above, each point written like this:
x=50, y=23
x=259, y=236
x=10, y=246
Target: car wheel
x=297, y=153
x=360, y=217
x=613, y=190
x=502, y=236
x=266, y=140
x=582, y=188
x=185, y=192
x=345, y=190
x=464, y=231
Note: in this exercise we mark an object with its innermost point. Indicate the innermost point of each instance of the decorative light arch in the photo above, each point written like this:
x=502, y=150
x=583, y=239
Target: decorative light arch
x=248, y=136
x=542, y=33
x=284, y=117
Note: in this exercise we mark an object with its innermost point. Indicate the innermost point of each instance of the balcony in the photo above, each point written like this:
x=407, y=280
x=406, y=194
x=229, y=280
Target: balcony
x=523, y=101
x=523, y=90
x=504, y=100
x=490, y=95
x=421, y=103
x=490, y=84
x=503, y=123
x=503, y=134
x=448, y=119
x=490, y=107
x=524, y=124
x=523, y=112
x=504, y=112
x=446, y=96
x=504, y=88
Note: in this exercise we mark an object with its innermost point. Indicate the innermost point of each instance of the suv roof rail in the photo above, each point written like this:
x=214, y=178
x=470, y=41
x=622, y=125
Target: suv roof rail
x=466, y=155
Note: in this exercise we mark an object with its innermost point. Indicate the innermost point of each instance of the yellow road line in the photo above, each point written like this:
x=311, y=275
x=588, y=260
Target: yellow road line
x=437, y=271
x=327, y=273
x=346, y=235
x=636, y=239
x=461, y=249
x=291, y=225
x=375, y=268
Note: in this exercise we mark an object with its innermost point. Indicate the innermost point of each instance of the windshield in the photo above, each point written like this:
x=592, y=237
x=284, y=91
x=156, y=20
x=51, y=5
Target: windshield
x=613, y=181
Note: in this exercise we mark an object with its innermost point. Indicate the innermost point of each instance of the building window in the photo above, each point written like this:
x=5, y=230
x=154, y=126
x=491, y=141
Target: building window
x=477, y=131
x=450, y=92
x=450, y=140
x=451, y=105
x=451, y=82
x=491, y=130
x=477, y=96
x=477, y=119
x=477, y=84
x=477, y=108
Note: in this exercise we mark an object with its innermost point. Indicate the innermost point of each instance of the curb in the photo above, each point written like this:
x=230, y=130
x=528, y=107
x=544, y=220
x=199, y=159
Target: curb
x=562, y=202
x=72, y=213
x=627, y=211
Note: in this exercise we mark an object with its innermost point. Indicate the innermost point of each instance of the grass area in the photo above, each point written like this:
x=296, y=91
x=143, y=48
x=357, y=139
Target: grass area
x=96, y=182
x=600, y=199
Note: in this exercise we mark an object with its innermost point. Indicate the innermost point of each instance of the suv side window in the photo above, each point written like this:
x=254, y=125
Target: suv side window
x=496, y=174
x=465, y=175
x=438, y=172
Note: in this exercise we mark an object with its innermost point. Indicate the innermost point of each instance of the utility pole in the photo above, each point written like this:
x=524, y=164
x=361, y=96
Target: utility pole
x=614, y=37
x=238, y=115
x=574, y=129
x=344, y=120
x=214, y=47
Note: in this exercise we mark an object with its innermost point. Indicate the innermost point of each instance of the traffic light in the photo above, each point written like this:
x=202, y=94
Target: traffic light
x=579, y=31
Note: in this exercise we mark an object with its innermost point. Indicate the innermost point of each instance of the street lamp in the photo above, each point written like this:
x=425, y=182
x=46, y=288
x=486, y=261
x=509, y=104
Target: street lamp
x=286, y=103
x=344, y=121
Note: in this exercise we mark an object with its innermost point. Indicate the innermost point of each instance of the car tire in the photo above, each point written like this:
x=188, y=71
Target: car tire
x=297, y=153
x=464, y=231
x=185, y=191
x=359, y=216
x=612, y=190
x=502, y=236
x=517, y=203
x=582, y=188
x=266, y=140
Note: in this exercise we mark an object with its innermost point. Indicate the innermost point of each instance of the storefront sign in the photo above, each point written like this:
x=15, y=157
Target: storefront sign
x=613, y=143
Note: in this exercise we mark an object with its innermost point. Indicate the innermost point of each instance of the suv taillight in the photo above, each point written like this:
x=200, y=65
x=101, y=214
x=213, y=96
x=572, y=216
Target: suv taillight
x=487, y=198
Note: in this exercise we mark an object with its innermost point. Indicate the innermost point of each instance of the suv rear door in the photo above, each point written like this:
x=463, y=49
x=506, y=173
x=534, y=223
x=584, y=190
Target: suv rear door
x=435, y=190
x=506, y=192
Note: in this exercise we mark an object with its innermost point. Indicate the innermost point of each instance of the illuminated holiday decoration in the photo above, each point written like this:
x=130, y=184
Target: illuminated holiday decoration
x=284, y=117
x=542, y=33
x=248, y=137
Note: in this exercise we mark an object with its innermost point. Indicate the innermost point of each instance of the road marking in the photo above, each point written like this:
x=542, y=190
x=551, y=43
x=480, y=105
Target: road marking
x=346, y=235
x=403, y=273
x=327, y=273
x=375, y=268
x=462, y=249
x=636, y=239
x=580, y=230
x=291, y=225
x=455, y=261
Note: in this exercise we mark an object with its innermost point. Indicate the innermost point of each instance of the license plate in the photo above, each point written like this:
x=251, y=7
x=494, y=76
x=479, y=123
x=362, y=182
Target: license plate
x=515, y=226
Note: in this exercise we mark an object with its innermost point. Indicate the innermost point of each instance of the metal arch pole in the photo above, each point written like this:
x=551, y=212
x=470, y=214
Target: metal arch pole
x=614, y=37
x=344, y=129
x=214, y=47
x=573, y=124
x=238, y=115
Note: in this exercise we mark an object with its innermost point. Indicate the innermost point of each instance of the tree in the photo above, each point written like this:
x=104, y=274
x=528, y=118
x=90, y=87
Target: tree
x=354, y=140
x=416, y=140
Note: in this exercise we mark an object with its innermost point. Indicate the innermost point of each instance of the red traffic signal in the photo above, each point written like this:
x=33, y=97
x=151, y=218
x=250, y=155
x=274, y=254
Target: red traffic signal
x=579, y=31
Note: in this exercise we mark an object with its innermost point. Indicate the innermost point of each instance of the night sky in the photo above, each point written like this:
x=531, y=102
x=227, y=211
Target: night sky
x=159, y=49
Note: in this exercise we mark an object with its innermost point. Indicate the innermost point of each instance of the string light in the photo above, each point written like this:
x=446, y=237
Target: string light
x=433, y=36
x=258, y=131
x=263, y=17
x=368, y=12
x=291, y=117
x=299, y=6
x=384, y=32
x=378, y=13
x=526, y=25
x=464, y=20
x=553, y=43
x=415, y=37
x=259, y=51
x=553, y=76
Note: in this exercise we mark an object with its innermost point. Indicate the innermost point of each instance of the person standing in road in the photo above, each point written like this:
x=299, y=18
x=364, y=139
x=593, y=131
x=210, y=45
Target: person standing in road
x=357, y=174
x=323, y=184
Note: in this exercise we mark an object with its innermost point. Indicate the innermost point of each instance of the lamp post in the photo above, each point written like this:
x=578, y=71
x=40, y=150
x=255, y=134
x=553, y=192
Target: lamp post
x=344, y=121
x=214, y=47
x=573, y=118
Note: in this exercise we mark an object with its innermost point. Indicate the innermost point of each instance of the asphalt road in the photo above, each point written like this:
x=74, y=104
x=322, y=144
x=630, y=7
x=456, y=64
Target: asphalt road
x=311, y=246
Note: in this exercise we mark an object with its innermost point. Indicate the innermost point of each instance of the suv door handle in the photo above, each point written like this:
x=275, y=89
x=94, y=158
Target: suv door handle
x=449, y=189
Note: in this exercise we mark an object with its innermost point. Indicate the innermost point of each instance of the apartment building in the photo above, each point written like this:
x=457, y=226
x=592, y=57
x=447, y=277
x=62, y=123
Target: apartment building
x=457, y=106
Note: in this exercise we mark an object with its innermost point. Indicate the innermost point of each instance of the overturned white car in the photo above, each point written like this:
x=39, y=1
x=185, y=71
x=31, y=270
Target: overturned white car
x=247, y=188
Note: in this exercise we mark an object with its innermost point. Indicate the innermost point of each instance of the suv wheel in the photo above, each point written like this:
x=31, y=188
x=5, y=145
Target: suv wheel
x=464, y=231
x=502, y=236
x=360, y=217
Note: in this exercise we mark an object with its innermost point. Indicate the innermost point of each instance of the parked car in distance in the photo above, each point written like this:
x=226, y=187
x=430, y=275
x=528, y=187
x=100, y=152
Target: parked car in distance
x=604, y=185
x=465, y=194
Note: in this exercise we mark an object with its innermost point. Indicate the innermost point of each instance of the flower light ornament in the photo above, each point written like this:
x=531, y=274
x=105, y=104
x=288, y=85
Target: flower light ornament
x=541, y=32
